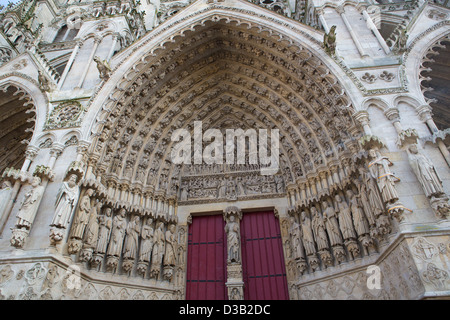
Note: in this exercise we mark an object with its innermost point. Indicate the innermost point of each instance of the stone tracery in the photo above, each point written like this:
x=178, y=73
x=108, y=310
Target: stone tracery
x=263, y=93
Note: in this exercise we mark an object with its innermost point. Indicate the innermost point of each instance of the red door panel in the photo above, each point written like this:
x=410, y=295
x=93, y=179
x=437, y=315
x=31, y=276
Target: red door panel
x=206, y=262
x=262, y=257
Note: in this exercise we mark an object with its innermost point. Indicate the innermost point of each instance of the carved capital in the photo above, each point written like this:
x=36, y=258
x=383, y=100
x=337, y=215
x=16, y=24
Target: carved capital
x=362, y=117
x=31, y=152
x=319, y=11
x=340, y=10
x=83, y=147
x=424, y=112
x=98, y=39
x=392, y=114
x=56, y=150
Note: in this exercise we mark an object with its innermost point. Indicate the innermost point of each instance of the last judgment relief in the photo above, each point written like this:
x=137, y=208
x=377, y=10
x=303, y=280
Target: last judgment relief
x=306, y=132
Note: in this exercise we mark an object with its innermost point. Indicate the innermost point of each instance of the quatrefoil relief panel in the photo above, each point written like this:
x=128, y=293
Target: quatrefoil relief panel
x=387, y=76
x=67, y=114
x=369, y=78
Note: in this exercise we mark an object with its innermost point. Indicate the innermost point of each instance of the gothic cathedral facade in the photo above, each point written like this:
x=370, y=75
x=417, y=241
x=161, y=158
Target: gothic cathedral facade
x=334, y=182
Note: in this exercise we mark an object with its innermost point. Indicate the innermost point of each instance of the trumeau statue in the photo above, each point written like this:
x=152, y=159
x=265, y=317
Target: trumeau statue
x=425, y=172
x=30, y=204
x=233, y=240
x=65, y=203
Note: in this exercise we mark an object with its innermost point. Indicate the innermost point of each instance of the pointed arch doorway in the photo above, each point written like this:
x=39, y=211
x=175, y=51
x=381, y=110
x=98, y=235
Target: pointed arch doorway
x=263, y=264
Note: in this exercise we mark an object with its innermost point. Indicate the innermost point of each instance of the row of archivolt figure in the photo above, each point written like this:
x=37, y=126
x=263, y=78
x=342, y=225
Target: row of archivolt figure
x=112, y=240
x=346, y=227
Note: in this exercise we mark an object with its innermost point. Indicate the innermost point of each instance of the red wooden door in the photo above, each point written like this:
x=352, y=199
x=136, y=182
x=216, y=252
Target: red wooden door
x=206, y=262
x=262, y=257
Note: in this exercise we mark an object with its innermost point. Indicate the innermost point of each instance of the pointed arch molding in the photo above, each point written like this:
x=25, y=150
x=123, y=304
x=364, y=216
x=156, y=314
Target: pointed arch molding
x=219, y=69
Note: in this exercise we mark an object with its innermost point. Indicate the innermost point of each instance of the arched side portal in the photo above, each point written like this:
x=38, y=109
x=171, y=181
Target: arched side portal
x=226, y=75
x=17, y=125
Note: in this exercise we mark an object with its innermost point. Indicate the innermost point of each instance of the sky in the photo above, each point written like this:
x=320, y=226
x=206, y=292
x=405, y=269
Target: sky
x=5, y=2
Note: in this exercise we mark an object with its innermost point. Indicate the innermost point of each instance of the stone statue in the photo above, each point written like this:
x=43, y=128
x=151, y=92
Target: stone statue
x=5, y=193
x=296, y=242
x=345, y=218
x=425, y=172
x=359, y=221
x=379, y=169
x=147, y=240
x=231, y=189
x=169, y=254
x=184, y=193
x=117, y=234
x=103, y=68
x=331, y=223
x=318, y=227
x=308, y=238
x=233, y=240
x=30, y=204
x=222, y=188
x=92, y=229
x=329, y=41
x=132, y=239
x=373, y=205
x=105, y=225
x=279, y=184
x=235, y=294
x=158, y=249
x=240, y=186
x=65, y=203
x=82, y=216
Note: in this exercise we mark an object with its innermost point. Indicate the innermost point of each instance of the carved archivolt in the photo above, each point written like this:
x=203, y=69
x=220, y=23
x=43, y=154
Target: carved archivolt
x=222, y=73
